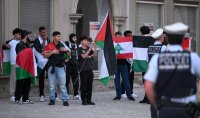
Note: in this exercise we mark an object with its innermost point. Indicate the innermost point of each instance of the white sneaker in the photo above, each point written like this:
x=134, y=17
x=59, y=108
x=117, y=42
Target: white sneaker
x=77, y=97
x=124, y=95
x=12, y=98
x=134, y=95
x=28, y=102
x=58, y=99
x=42, y=98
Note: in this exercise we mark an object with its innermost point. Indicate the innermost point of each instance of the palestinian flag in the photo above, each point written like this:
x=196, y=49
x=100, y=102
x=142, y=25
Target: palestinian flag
x=123, y=47
x=104, y=39
x=41, y=61
x=5, y=62
x=26, y=65
x=140, y=52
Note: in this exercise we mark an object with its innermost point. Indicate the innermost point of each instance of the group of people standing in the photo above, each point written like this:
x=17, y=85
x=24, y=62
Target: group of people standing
x=56, y=60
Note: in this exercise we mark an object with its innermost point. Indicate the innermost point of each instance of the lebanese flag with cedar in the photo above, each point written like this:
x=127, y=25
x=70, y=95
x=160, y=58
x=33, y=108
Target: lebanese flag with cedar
x=123, y=47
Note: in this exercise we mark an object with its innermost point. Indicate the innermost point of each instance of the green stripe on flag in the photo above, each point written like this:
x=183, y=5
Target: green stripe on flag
x=100, y=44
x=7, y=69
x=105, y=80
x=22, y=74
x=140, y=65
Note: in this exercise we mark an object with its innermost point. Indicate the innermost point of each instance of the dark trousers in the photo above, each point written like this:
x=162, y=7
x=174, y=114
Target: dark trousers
x=22, y=89
x=72, y=71
x=131, y=80
x=41, y=81
x=153, y=112
x=86, y=78
x=145, y=96
x=173, y=112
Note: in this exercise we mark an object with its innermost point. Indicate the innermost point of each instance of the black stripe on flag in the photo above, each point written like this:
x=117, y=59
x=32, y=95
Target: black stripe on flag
x=109, y=51
x=143, y=41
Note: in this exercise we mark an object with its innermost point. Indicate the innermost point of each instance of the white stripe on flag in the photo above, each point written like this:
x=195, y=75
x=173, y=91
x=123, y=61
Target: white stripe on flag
x=6, y=55
x=103, y=70
x=126, y=47
x=140, y=54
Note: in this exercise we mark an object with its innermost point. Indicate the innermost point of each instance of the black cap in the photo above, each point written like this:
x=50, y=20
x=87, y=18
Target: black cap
x=25, y=32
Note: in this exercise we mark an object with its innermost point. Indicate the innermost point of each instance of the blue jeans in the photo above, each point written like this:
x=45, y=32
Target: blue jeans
x=60, y=75
x=123, y=71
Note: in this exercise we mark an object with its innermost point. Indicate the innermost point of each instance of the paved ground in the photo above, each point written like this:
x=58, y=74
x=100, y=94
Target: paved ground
x=105, y=108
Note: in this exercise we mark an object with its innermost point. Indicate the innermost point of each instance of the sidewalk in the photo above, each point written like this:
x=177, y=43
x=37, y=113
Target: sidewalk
x=105, y=108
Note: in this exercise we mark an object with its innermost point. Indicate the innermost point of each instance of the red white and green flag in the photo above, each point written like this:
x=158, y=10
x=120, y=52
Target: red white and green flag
x=123, y=47
x=140, y=52
x=104, y=40
x=26, y=64
x=5, y=62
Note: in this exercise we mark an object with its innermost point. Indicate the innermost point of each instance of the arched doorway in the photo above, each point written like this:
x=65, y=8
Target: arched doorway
x=92, y=10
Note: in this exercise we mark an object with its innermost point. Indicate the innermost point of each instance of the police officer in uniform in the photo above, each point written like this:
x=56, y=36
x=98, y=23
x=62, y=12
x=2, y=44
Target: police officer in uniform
x=157, y=47
x=171, y=78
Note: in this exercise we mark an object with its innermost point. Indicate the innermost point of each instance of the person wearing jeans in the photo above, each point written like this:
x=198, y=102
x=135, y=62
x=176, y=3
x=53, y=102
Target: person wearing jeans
x=58, y=75
x=54, y=51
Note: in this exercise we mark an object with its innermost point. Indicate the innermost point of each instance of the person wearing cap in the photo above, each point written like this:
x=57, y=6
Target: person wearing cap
x=157, y=47
x=54, y=51
x=86, y=56
x=12, y=45
x=23, y=84
x=71, y=66
x=170, y=82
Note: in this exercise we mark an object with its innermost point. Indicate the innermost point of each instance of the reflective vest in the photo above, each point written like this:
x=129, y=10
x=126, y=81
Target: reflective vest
x=174, y=75
x=154, y=49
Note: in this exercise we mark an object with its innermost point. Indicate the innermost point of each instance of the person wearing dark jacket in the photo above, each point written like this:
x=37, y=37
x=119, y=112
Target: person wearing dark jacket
x=71, y=66
x=23, y=85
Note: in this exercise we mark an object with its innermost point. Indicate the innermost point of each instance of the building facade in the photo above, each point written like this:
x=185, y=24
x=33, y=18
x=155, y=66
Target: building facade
x=69, y=16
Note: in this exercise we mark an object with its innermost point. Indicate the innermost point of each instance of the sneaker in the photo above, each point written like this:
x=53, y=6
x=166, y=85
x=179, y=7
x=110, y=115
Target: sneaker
x=131, y=98
x=117, y=98
x=27, y=102
x=76, y=97
x=90, y=103
x=12, y=98
x=134, y=95
x=124, y=95
x=41, y=98
x=51, y=102
x=58, y=99
x=65, y=103
x=16, y=102
x=84, y=103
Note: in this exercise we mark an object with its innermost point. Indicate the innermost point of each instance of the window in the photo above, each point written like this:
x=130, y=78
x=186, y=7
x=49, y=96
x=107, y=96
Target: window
x=149, y=14
x=188, y=16
x=33, y=14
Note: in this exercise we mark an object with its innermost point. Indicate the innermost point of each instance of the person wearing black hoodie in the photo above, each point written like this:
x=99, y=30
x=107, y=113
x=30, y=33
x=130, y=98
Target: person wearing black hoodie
x=71, y=66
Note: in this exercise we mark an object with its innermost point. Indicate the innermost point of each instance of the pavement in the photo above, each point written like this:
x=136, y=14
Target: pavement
x=105, y=108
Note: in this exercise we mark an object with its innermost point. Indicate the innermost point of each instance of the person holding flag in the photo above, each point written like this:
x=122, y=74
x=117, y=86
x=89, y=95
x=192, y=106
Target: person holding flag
x=71, y=65
x=85, y=62
x=12, y=45
x=54, y=51
x=40, y=42
x=24, y=70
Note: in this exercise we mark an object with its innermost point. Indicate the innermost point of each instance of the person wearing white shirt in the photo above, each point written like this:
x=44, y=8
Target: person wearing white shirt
x=12, y=45
x=170, y=82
